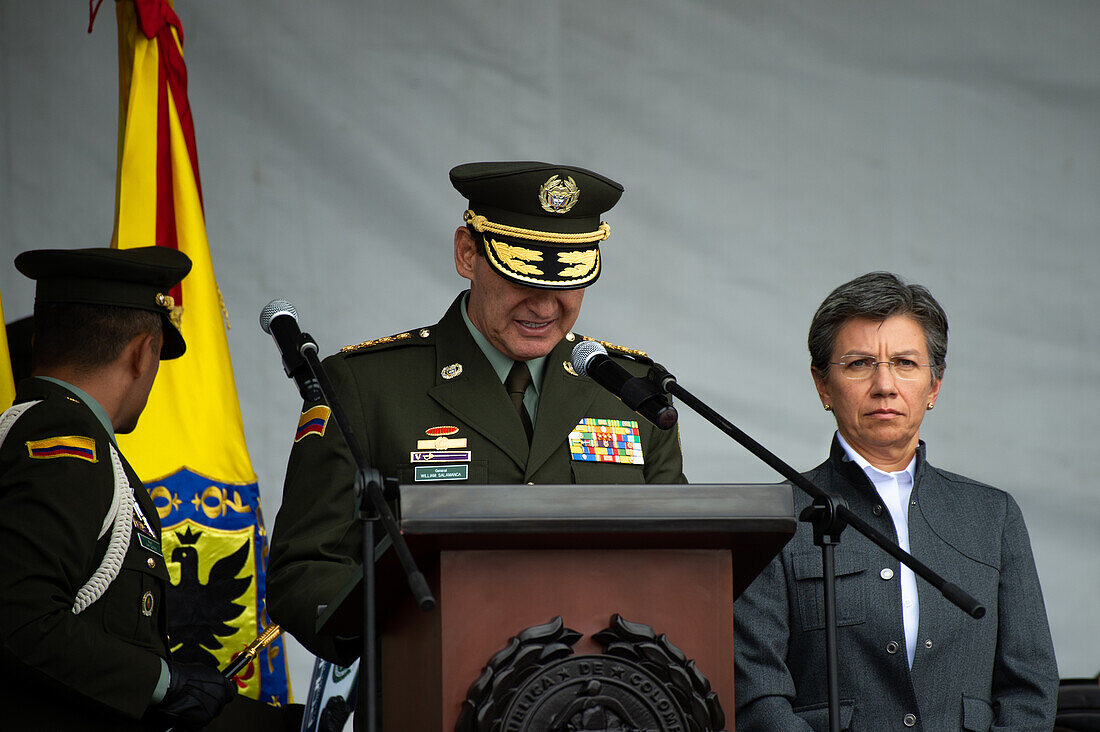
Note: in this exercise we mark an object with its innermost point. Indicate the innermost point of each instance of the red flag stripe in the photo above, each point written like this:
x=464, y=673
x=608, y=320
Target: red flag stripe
x=157, y=19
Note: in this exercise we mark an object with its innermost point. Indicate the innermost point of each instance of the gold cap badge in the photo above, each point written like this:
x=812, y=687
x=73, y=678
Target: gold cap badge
x=558, y=196
x=175, y=312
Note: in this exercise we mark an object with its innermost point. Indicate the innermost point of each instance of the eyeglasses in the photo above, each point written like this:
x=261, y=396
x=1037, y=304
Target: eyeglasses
x=863, y=367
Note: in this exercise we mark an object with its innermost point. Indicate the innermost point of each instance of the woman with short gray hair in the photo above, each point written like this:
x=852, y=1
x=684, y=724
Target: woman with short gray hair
x=908, y=657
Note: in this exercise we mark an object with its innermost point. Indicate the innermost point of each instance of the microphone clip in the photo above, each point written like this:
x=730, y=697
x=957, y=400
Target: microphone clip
x=660, y=376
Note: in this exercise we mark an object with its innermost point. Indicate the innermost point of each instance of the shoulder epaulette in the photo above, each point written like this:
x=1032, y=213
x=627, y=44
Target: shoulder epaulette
x=407, y=336
x=621, y=349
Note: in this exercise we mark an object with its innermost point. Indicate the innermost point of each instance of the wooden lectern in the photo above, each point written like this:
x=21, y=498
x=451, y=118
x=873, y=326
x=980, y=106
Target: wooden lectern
x=502, y=559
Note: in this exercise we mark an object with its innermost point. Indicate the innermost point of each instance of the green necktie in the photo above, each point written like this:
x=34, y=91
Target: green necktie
x=519, y=378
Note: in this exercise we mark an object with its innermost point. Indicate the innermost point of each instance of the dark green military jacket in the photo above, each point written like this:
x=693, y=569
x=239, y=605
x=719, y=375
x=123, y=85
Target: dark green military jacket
x=396, y=393
x=60, y=670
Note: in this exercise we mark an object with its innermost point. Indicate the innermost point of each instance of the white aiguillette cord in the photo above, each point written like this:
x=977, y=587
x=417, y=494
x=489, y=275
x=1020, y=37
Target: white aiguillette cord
x=122, y=506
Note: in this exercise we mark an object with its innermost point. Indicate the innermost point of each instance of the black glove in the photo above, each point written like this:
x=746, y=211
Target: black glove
x=196, y=694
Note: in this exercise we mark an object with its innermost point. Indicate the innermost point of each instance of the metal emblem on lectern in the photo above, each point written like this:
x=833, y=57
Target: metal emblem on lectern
x=641, y=683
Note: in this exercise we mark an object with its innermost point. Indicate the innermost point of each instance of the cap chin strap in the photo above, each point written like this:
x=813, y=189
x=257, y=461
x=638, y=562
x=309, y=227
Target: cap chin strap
x=122, y=504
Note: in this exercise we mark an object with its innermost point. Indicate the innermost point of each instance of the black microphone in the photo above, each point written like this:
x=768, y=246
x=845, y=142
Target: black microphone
x=637, y=392
x=280, y=319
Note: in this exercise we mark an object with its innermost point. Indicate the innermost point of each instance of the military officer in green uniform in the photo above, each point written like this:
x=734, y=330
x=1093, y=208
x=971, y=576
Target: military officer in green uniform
x=82, y=576
x=486, y=395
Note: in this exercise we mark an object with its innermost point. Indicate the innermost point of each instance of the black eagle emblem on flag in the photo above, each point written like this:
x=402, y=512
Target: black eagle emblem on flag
x=201, y=612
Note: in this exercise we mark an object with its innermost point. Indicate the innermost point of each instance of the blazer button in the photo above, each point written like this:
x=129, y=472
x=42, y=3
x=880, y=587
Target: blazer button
x=928, y=643
x=909, y=720
x=877, y=510
x=886, y=573
x=152, y=563
x=892, y=647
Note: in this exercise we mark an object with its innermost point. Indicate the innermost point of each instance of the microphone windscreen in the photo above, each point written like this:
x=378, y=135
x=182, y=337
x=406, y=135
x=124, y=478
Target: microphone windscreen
x=583, y=353
x=273, y=309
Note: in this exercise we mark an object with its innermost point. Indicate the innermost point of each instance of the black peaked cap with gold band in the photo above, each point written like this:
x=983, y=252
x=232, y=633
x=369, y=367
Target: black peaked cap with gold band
x=540, y=223
x=139, y=278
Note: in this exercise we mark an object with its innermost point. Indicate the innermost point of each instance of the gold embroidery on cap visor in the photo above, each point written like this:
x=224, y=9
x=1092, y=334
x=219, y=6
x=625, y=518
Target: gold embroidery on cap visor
x=558, y=196
x=583, y=260
x=513, y=261
x=516, y=257
x=503, y=258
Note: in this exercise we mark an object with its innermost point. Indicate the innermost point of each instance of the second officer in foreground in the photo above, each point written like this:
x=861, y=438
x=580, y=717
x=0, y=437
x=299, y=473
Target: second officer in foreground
x=83, y=579
x=486, y=395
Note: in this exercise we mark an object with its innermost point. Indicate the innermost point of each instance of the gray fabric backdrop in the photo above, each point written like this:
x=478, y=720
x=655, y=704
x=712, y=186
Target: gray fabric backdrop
x=770, y=151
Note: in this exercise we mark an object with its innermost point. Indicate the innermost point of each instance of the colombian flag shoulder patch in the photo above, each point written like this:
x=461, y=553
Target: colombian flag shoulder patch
x=313, y=422
x=72, y=446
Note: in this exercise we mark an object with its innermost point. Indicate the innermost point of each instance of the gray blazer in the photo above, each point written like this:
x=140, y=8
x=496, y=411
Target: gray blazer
x=994, y=673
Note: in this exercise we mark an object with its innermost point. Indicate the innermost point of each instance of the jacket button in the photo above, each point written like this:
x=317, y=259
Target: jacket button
x=928, y=643
x=152, y=563
x=877, y=510
x=886, y=573
x=892, y=647
x=909, y=720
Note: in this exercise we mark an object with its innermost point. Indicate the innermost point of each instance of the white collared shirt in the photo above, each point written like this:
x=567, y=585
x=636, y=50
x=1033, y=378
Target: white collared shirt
x=894, y=489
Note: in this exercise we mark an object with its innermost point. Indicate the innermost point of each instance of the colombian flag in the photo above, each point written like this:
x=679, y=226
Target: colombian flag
x=189, y=447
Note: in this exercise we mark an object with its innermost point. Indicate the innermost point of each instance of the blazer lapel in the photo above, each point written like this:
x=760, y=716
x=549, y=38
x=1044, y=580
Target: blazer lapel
x=563, y=400
x=476, y=396
x=934, y=608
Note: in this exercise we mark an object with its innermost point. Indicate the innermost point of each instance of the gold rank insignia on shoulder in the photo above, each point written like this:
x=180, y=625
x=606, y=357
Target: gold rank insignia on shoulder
x=72, y=446
x=377, y=342
x=621, y=349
